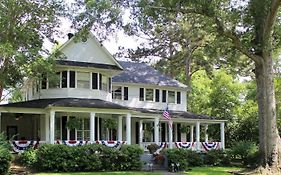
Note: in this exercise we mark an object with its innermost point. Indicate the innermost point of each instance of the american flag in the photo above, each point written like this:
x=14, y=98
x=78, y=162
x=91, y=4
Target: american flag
x=167, y=116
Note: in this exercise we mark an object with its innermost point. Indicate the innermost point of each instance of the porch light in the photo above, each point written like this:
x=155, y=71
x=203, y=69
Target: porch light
x=18, y=116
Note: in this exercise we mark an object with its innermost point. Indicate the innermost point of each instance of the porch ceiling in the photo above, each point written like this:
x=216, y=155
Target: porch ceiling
x=64, y=102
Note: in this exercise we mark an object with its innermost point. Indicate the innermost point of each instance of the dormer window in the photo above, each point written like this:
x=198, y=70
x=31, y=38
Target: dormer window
x=149, y=95
x=83, y=80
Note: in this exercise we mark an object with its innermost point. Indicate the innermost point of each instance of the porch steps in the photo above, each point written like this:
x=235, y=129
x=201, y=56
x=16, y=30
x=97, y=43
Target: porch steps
x=150, y=165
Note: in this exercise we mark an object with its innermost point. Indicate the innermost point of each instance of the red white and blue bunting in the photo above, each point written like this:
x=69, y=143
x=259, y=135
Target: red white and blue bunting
x=210, y=146
x=185, y=145
x=74, y=142
x=22, y=145
x=111, y=143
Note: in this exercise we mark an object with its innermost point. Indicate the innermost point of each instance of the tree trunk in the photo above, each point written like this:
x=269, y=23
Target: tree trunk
x=268, y=133
x=1, y=92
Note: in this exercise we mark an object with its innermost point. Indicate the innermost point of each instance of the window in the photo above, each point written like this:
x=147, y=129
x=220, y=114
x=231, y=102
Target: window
x=126, y=97
x=109, y=84
x=83, y=131
x=171, y=97
x=178, y=97
x=44, y=82
x=164, y=96
x=94, y=80
x=64, y=79
x=100, y=81
x=117, y=92
x=72, y=79
x=157, y=95
x=54, y=82
x=104, y=84
x=83, y=80
x=148, y=94
x=141, y=94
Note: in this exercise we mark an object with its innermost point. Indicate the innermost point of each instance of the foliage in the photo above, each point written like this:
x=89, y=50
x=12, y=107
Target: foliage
x=216, y=158
x=25, y=25
x=186, y=158
x=5, y=160
x=152, y=148
x=110, y=123
x=87, y=158
x=29, y=158
x=73, y=123
x=3, y=141
x=246, y=151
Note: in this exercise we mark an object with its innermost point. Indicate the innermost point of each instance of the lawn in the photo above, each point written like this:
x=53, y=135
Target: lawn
x=103, y=173
x=212, y=170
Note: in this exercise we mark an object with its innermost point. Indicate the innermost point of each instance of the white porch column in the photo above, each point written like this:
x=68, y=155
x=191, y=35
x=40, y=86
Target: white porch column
x=52, y=127
x=92, y=126
x=222, y=136
x=120, y=128
x=170, y=126
x=0, y=122
x=191, y=133
x=156, y=130
x=141, y=132
x=197, y=136
x=176, y=132
x=47, y=127
x=98, y=128
x=128, y=128
x=206, y=133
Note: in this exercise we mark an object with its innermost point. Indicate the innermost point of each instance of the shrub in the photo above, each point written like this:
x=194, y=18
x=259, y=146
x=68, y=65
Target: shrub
x=246, y=151
x=184, y=157
x=29, y=158
x=216, y=158
x=132, y=155
x=5, y=160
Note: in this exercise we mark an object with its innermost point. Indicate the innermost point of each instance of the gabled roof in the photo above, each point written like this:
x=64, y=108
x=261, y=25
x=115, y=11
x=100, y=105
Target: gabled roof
x=142, y=73
x=90, y=54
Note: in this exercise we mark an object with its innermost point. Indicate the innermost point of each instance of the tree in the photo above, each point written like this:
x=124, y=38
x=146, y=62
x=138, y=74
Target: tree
x=24, y=24
x=252, y=29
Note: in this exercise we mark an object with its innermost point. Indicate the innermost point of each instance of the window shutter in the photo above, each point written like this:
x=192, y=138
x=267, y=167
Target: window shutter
x=164, y=96
x=157, y=95
x=178, y=97
x=100, y=81
x=141, y=94
x=109, y=84
x=126, y=93
x=72, y=79
x=94, y=81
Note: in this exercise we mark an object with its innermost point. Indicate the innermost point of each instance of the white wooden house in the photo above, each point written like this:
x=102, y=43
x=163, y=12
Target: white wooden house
x=95, y=88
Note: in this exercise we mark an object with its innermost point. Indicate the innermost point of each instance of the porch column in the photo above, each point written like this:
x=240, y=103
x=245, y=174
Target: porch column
x=0, y=122
x=170, y=126
x=128, y=128
x=191, y=133
x=176, y=132
x=197, y=136
x=222, y=136
x=206, y=133
x=92, y=126
x=156, y=130
x=98, y=128
x=141, y=132
x=120, y=128
x=52, y=127
x=47, y=127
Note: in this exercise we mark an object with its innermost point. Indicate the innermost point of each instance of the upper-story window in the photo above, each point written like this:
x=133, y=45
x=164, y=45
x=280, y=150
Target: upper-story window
x=120, y=93
x=171, y=96
x=54, y=82
x=149, y=95
x=64, y=79
x=141, y=97
x=83, y=80
x=94, y=80
x=157, y=95
x=164, y=96
x=178, y=97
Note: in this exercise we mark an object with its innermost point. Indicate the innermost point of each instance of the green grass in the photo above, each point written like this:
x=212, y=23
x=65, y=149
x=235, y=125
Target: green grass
x=212, y=170
x=103, y=173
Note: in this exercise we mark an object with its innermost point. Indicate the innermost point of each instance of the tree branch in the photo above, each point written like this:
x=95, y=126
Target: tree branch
x=270, y=19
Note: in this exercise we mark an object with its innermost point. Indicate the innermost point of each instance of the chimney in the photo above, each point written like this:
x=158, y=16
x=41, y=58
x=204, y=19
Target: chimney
x=70, y=35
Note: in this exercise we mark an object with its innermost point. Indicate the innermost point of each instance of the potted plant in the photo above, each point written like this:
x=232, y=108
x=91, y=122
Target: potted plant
x=152, y=148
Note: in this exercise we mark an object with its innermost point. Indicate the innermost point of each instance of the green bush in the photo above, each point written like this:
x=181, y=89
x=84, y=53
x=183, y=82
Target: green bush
x=29, y=158
x=186, y=158
x=88, y=158
x=216, y=158
x=246, y=151
x=5, y=160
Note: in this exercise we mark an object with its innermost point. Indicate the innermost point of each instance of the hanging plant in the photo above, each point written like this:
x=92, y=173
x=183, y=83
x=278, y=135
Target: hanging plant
x=73, y=123
x=184, y=128
x=110, y=123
